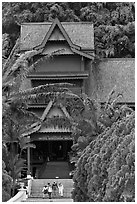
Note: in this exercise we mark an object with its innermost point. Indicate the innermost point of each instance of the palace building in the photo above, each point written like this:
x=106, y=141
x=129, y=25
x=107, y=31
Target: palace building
x=73, y=46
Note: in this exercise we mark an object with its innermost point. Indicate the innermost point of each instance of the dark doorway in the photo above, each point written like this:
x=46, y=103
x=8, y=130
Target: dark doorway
x=51, y=150
x=48, y=153
x=59, y=150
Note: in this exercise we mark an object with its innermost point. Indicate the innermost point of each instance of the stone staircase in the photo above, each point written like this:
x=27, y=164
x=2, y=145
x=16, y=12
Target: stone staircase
x=47, y=200
x=37, y=186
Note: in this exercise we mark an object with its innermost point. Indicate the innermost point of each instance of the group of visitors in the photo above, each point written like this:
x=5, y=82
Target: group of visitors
x=53, y=190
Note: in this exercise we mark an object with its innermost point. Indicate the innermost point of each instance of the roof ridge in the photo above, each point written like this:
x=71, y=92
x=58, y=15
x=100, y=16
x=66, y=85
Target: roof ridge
x=37, y=23
x=77, y=22
x=49, y=23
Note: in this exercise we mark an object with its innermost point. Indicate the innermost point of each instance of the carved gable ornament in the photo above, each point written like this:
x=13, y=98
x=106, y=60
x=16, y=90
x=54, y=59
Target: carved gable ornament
x=58, y=29
x=78, y=35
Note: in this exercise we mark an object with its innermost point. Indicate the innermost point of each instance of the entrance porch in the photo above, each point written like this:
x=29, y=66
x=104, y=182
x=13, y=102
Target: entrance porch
x=50, y=156
x=51, y=151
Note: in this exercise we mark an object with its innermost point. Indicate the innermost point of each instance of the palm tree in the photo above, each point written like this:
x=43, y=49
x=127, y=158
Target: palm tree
x=17, y=120
x=6, y=184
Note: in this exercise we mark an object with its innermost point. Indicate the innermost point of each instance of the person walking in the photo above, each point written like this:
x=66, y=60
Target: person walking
x=45, y=191
x=49, y=190
x=54, y=189
x=61, y=189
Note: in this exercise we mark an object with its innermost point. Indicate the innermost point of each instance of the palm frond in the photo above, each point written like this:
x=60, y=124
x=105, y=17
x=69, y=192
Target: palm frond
x=38, y=96
x=110, y=97
x=9, y=60
x=42, y=89
x=56, y=121
x=32, y=129
x=30, y=145
x=18, y=166
x=23, y=141
x=20, y=65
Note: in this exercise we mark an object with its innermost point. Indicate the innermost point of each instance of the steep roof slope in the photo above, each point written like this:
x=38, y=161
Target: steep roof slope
x=80, y=33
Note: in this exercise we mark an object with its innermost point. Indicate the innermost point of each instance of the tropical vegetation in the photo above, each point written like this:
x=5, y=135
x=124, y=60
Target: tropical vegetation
x=18, y=121
x=103, y=149
x=6, y=184
x=105, y=170
x=114, y=22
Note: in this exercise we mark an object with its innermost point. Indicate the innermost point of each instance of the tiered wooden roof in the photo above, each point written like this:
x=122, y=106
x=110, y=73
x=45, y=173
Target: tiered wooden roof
x=79, y=35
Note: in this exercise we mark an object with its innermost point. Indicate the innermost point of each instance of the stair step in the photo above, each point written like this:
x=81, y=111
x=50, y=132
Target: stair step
x=37, y=186
x=54, y=169
x=47, y=200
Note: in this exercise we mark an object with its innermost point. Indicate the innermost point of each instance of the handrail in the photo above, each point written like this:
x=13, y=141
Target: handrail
x=20, y=196
x=23, y=194
x=29, y=185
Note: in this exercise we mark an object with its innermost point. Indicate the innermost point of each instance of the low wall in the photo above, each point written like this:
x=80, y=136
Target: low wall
x=19, y=197
x=23, y=194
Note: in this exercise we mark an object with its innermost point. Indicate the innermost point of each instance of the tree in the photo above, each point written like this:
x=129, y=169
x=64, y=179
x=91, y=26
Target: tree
x=6, y=184
x=91, y=120
x=113, y=22
x=16, y=118
x=6, y=45
x=85, y=127
x=105, y=170
x=115, y=41
x=108, y=13
x=18, y=122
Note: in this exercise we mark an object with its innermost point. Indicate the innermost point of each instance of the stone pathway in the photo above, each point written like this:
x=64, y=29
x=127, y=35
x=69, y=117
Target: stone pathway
x=53, y=169
x=37, y=186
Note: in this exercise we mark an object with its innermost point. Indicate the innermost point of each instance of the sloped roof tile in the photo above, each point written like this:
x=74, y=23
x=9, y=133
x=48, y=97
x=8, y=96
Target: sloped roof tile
x=114, y=72
x=80, y=33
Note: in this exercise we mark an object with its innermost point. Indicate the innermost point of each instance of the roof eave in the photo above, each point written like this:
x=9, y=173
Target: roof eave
x=58, y=76
x=83, y=54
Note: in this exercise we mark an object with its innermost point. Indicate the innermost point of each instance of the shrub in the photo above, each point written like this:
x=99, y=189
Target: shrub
x=106, y=171
x=6, y=184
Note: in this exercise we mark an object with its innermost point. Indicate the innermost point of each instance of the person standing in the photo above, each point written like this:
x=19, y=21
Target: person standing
x=61, y=189
x=54, y=188
x=45, y=191
x=49, y=190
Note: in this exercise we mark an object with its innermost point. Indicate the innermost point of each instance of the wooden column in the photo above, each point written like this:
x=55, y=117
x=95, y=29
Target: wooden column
x=28, y=159
x=49, y=149
x=82, y=64
x=64, y=149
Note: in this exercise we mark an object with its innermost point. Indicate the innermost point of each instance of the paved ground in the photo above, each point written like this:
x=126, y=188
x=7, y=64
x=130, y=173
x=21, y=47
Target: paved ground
x=47, y=200
x=55, y=168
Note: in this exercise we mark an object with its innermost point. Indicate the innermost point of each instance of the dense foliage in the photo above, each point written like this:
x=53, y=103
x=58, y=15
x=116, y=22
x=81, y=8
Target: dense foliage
x=17, y=120
x=6, y=184
x=92, y=120
x=106, y=169
x=15, y=116
x=113, y=22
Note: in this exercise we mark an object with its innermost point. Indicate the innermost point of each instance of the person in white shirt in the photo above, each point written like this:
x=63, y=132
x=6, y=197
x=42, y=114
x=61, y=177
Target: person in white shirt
x=45, y=191
x=61, y=189
x=49, y=190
